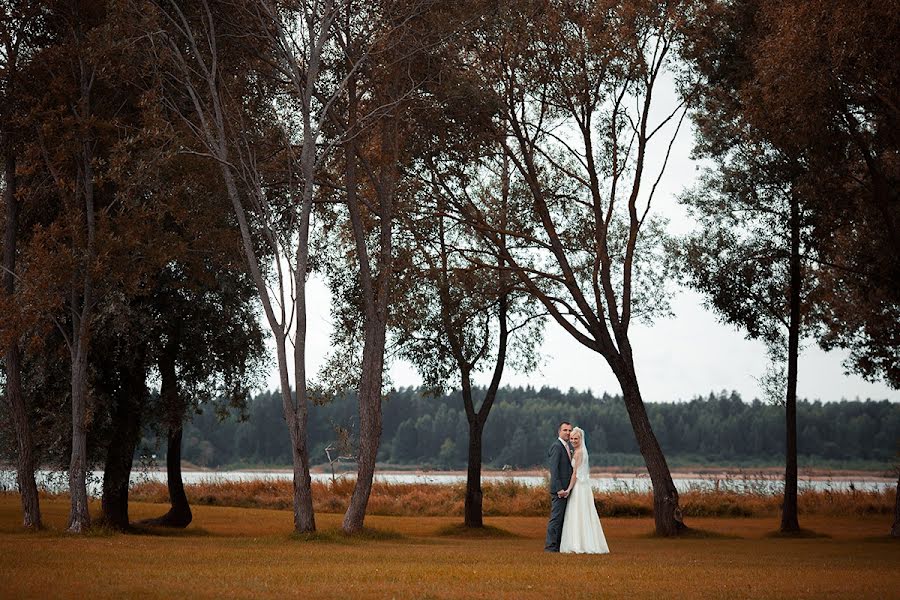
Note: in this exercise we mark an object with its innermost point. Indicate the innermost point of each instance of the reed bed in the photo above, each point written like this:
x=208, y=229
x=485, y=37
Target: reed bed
x=512, y=498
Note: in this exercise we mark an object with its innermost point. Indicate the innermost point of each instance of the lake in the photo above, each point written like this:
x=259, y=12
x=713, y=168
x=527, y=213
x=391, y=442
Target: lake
x=56, y=481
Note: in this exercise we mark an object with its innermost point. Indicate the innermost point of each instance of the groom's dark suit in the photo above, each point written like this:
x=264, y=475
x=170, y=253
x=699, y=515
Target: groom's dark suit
x=560, y=474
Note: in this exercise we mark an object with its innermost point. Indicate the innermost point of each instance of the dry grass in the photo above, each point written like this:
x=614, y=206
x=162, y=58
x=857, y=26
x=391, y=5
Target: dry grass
x=247, y=552
x=511, y=498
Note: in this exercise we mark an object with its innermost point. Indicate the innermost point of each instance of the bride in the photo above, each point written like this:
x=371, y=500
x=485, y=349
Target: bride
x=581, y=532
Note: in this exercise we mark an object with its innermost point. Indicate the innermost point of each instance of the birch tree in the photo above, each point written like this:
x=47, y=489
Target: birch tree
x=206, y=82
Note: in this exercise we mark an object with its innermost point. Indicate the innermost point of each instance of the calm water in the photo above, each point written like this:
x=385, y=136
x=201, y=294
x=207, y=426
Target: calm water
x=56, y=481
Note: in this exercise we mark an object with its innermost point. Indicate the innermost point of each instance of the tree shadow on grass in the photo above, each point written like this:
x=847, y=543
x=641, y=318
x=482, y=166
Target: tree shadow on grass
x=480, y=533
x=160, y=531
x=338, y=536
x=692, y=533
x=887, y=538
x=802, y=534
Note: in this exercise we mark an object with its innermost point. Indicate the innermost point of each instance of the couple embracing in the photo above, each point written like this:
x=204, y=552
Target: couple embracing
x=574, y=523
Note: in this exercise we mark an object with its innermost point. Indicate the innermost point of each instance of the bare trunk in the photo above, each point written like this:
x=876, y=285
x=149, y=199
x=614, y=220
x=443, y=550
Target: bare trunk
x=179, y=514
x=31, y=510
x=79, y=517
x=789, y=517
x=369, y=424
x=666, y=510
x=895, y=530
x=304, y=515
x=126, y=422
x=473, y=510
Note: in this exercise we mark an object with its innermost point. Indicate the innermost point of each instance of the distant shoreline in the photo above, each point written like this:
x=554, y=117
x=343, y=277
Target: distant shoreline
x=774, y=473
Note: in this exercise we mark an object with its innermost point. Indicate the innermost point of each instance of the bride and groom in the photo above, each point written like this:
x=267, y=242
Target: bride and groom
x=574, y=523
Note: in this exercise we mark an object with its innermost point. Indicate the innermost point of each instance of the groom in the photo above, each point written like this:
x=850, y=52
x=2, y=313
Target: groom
x=560, y=473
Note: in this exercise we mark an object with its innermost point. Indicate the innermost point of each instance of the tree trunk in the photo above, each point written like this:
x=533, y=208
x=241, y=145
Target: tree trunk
x=304, y=515
x=179, y=514
x=79, y=517
x=789, y=517
x=31, y=510
x=473, y=508
x=296, y=419
x=126, y=423
x=666, y=511
x=895, y=530
x=474, y=498
x=369, y=424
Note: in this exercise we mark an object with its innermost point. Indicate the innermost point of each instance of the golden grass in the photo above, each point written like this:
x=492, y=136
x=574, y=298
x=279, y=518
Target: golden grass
x=511, y=498
x=246, y=552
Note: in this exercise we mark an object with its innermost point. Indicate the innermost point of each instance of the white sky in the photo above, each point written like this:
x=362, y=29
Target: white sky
x=676, y=358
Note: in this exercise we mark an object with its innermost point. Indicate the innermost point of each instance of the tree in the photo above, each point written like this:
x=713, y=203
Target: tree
x=747, y=258
x=575, y=80
x=209, y=340
x=68, y=108
x=20, y=33
x=378, y=123
x=895, y=529
x=801, y=181
x=119, y=367
x=457, y=319
x=840, y=115
x=207, y=83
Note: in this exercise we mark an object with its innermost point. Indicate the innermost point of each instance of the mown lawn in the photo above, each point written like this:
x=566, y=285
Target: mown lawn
x=245, y=552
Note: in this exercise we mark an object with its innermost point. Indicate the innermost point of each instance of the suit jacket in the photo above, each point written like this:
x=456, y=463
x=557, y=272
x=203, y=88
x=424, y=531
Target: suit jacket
x=560, y=467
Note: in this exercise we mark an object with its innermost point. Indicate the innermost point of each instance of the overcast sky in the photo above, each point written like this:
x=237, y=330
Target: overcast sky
x=676, y=358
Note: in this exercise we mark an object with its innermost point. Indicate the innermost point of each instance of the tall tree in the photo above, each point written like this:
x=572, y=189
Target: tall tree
x=895, y=529
x=68, y=108
x=798, y=158
x=400, y=45
x=20, y=29
x=750, y=257
x=209, y=341
x=576, y=83
x=463, y=315
x=228, y=95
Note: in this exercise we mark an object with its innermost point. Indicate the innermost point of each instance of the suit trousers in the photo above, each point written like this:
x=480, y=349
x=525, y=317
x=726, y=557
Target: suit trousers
x=554, y=527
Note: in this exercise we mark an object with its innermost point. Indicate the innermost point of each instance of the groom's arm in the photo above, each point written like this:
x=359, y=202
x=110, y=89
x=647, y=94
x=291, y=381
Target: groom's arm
x=555, y=481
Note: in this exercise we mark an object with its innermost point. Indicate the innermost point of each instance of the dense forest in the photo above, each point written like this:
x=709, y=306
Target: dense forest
x=431, y=431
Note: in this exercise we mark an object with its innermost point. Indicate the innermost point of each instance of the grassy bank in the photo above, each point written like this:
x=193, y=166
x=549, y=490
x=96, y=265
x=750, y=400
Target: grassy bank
x=250, y=553
x=510, y=498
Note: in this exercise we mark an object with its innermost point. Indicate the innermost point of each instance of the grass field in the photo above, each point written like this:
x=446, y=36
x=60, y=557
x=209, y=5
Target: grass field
x=249, y=552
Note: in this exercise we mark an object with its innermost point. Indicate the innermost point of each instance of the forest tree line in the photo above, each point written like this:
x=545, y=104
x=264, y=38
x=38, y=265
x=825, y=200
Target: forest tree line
x=430, y=431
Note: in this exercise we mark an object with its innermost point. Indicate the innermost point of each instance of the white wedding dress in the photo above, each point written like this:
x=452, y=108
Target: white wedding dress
x=582, y=532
